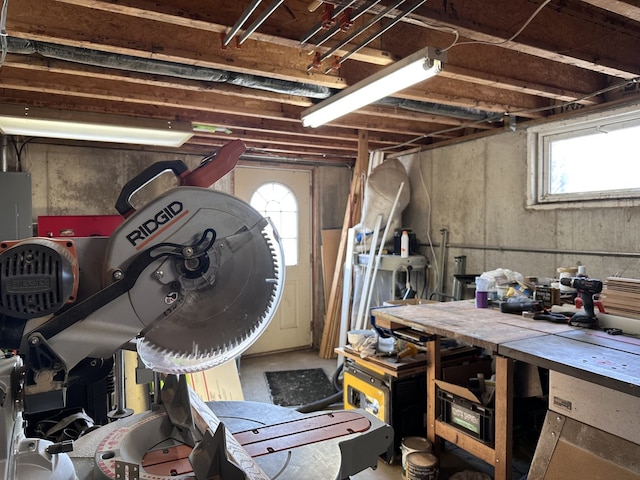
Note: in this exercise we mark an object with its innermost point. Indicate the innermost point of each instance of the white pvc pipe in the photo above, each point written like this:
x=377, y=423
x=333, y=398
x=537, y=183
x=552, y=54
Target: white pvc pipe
x=367, y=276
x=382, y=243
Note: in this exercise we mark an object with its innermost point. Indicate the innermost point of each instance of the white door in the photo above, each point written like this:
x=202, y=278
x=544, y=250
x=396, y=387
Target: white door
x=285, y=196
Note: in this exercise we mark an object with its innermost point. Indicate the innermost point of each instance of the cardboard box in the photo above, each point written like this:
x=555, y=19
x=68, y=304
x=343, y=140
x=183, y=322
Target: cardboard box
x=460, y=374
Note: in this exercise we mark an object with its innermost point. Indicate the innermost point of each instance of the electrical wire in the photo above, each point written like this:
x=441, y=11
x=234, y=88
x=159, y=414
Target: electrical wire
x=610, y=88
x=502, y=42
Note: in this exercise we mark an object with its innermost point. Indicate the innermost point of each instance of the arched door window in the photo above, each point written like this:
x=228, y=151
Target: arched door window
x=276, y=201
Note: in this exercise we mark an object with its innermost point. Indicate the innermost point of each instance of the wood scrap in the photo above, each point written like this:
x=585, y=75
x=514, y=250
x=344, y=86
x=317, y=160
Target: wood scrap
x=621, y=296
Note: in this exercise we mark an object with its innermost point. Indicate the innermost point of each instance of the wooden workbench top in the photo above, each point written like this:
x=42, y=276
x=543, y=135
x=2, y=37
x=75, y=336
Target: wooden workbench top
x=608, y=360
x=483, y=327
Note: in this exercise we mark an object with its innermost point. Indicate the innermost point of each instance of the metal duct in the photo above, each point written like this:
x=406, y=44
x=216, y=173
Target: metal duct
x=127, y=62
x=159, y=67
x=437, y=109
x=20, y=46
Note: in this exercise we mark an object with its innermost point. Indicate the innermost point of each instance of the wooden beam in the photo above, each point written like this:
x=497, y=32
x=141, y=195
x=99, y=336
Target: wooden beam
x=624, y=8
x=75, y=26
x=558, y=33
x=220, y=20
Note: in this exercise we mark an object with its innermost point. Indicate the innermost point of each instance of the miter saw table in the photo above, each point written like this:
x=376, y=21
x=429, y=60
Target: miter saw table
x=334, y=458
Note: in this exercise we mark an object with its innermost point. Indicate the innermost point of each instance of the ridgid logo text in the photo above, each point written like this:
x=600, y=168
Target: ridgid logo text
x=153, y=226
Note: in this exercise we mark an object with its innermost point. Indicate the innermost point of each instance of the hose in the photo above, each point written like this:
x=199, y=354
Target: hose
x=323, y=403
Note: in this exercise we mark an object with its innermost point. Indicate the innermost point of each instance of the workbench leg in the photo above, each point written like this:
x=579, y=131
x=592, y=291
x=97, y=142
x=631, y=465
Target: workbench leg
x=503, y=418
x=433, y=373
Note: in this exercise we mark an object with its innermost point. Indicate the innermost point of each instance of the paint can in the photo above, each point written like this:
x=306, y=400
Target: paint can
x=422, y=466
x=411, y=445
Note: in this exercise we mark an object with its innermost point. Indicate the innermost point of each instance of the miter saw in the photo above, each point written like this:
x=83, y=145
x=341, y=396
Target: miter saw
x=192, y=279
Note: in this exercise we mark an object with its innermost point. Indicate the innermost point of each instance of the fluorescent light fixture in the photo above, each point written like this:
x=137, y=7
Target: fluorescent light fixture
x=415, y=68
x=50, y=123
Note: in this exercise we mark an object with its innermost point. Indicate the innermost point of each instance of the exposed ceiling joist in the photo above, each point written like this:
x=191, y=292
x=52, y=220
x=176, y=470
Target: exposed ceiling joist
x=166, y=60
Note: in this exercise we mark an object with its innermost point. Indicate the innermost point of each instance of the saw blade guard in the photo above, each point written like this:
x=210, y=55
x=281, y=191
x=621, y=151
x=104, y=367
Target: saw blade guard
x=215, y=285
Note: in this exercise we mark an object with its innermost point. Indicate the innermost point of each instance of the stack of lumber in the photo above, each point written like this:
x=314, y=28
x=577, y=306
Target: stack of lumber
x=621, y=296
x=331, y=330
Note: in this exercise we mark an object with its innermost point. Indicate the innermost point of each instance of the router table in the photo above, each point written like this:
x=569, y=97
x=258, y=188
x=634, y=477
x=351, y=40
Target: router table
x=593, y=357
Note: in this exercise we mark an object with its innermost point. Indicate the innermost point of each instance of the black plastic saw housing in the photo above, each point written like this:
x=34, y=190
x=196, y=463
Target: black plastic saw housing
x=36, y=279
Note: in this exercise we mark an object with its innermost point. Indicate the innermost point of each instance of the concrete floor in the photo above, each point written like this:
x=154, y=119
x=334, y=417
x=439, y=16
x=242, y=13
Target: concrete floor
x=254, y=387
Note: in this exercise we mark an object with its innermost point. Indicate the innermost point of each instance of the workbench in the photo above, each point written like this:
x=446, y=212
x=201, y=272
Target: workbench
x=612, y=362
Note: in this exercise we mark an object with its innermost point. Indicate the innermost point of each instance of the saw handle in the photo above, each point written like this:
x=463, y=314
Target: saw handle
x=123, y=204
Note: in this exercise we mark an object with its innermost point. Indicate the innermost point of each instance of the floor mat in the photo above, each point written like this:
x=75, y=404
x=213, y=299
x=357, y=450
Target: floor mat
x=290, y=388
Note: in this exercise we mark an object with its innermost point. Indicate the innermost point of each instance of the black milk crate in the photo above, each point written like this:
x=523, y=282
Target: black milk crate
x=472, y=418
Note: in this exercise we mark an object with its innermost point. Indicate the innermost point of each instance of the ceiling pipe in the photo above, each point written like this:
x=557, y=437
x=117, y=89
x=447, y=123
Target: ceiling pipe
x=259, y=21
x=379, y=32
x=368, y=25
x=320, y=25
x=337, y=27
x=238, y=25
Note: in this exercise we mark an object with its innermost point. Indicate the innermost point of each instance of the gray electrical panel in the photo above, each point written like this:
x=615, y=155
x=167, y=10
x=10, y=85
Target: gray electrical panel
x=15, y=206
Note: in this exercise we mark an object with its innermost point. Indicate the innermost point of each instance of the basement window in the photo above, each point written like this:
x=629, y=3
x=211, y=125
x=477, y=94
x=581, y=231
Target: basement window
x=593, y=159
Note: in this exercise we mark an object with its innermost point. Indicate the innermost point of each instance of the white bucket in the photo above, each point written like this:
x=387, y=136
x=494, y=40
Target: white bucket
x=422, y=466
x=411, y=445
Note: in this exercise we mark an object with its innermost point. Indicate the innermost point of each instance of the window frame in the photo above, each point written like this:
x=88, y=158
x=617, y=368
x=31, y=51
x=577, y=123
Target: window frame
x=283, y=238
x=540, y=137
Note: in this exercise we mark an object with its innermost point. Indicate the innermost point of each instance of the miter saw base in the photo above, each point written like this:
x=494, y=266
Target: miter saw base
x=242, y=440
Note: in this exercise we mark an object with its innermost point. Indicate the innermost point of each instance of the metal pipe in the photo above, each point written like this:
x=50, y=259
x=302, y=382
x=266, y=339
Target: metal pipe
x=374, y=20
x=381, y=31
x=443, y=257
x=243, y=18
x=318, y=26
x=259, y=21
x=546, y=250
x=459, y=268
x=4, y=154
x=336, y=28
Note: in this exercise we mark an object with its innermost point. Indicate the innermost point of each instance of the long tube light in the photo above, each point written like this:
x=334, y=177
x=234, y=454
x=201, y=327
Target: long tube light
x=413, y=69
x=50, y=123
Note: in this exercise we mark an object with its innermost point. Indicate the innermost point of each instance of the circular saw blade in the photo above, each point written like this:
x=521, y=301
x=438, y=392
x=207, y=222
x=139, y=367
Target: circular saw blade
x=217, y=318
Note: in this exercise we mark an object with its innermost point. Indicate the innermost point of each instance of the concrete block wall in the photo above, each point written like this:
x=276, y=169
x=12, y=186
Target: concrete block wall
x=478, y=192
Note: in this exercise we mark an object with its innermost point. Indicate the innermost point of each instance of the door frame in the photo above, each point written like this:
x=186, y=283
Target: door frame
x=316, y=272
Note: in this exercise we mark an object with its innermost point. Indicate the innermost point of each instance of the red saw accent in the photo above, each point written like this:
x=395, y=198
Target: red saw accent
x=210, y=172
x=169, y=462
